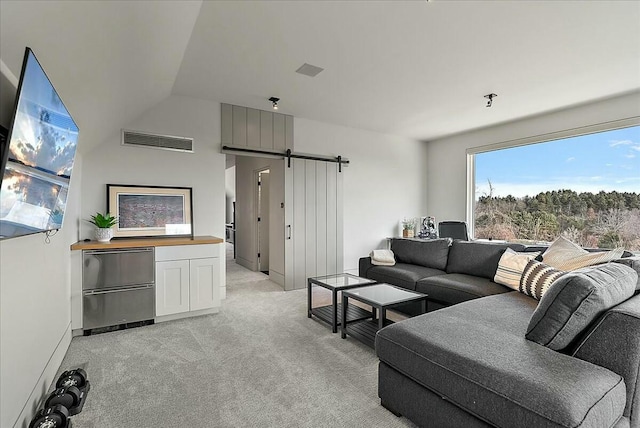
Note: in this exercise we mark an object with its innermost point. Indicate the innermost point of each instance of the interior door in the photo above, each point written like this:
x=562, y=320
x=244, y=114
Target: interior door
x=313, y=221
x=263, y=220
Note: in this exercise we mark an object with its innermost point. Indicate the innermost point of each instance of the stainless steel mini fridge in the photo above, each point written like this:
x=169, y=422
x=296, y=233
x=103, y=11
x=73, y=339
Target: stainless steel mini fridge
x=118, y=286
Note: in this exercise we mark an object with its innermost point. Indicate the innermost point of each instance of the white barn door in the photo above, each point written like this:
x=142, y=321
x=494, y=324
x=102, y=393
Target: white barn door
x=313, y=221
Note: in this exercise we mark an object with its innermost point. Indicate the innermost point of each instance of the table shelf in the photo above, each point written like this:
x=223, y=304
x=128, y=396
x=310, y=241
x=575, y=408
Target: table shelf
x=354, y=313
x=365, y=331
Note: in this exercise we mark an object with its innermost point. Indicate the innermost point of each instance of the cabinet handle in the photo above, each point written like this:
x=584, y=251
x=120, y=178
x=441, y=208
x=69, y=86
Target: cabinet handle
x=288, y=231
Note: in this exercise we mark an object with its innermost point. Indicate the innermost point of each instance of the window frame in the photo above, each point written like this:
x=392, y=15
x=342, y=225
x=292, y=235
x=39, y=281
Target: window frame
x=535, y=139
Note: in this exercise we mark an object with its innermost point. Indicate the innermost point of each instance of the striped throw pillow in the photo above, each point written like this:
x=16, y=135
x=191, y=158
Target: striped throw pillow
x=510, y=268
x=537, y=278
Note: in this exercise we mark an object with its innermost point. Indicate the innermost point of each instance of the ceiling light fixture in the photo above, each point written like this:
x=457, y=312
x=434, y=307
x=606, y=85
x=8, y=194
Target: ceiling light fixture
x=274, y=101
x=490, y=97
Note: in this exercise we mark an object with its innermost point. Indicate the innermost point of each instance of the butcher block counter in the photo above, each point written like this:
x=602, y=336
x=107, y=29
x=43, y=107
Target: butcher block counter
x=145, y=242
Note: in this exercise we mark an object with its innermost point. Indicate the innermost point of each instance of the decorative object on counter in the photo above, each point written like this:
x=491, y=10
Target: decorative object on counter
x=408, y=227
x=151, y=210
x=104, y=226
x=428, y=228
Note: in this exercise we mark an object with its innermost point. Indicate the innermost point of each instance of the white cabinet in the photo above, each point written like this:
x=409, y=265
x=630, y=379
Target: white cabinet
x=187, y=279
x=203, y=284
x=172, y=287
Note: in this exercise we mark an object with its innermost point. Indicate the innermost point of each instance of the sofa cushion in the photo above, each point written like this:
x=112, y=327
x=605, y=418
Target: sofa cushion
x=454, y=288
x=431, y=253
x=475, y=355
x=537, y=278
x=401, y=274
x=477, y=258
x=634, y=263
x=576, y=299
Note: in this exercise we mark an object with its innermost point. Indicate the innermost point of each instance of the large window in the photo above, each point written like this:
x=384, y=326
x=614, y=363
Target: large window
x=586, y=188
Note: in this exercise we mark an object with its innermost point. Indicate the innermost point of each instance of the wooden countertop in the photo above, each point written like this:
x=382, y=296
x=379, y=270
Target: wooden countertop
x=145, y=242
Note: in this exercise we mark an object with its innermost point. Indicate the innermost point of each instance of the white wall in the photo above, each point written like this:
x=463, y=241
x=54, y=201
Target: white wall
x=203, y=170
x=447, y=160
x=385, y=181
x=35, y=308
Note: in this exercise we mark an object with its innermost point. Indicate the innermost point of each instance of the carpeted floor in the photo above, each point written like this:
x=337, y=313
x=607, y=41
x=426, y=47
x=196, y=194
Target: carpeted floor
x=260, y=362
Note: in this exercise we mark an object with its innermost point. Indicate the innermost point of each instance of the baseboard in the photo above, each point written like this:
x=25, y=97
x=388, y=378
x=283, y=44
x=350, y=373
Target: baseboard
x=276, y=277
x=40, y=389
x=246, y=263
x=187, y=315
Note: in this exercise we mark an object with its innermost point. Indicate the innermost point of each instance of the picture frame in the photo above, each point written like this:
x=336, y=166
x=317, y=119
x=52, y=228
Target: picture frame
x=151, y=211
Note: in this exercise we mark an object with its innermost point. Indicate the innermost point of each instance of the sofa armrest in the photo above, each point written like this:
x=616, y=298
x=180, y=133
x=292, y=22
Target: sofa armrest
x=614, y=343
x=364, y=265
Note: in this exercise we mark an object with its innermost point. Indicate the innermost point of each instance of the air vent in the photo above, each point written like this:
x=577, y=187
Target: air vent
x=309, y=70
x=164, y=142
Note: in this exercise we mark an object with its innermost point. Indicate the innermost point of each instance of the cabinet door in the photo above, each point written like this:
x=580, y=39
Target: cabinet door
x=205, y=283
x=172, y=287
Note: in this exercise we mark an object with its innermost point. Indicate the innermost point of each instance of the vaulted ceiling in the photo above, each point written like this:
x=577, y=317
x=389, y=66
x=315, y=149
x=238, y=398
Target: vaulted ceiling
x=418, y=69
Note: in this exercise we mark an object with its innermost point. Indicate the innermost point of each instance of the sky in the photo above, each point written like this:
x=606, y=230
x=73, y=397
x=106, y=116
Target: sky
x=590, y=163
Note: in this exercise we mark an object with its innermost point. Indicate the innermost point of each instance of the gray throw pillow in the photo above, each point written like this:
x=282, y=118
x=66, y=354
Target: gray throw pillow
x=431, y=253
x=576, y=299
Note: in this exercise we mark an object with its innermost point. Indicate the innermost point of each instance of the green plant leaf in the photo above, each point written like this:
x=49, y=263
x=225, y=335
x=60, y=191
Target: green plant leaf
x=103, y=221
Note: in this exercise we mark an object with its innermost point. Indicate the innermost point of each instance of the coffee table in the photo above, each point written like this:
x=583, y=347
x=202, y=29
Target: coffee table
x=380, y=297
x=331, y=314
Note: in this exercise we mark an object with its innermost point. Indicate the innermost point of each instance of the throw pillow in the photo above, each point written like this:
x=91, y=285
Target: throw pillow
x=560, y=251
x=565, y=255
x=575, y=300
x=537, y=278
x=590, y=259
x=511, y=266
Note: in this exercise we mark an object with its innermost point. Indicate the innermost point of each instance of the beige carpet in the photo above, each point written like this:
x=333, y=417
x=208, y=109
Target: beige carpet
x=260, y=362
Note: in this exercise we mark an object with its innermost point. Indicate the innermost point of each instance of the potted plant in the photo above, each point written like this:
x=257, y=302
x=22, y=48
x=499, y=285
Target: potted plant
x=408, y=227
x=104, y=224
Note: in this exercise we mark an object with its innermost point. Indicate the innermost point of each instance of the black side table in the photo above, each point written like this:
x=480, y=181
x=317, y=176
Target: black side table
x=381, y=297
x=331, y=314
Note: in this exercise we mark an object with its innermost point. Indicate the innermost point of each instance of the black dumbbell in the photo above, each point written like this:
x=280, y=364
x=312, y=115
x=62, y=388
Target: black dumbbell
x=51, y=417
x=67, y=396
x=76, y=377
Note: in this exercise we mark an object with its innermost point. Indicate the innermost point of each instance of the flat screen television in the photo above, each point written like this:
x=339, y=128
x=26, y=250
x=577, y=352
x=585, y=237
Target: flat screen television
x=37, y=157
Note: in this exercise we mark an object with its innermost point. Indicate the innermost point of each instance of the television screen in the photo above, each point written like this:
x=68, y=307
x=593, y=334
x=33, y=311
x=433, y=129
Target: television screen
x=38, y=156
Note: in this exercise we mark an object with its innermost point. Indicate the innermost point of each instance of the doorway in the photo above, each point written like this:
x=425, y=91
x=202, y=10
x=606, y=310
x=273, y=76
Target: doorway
x=263, y=194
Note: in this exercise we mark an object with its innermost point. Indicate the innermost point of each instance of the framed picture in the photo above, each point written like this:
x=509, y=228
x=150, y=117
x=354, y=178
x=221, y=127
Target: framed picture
x=150, y=210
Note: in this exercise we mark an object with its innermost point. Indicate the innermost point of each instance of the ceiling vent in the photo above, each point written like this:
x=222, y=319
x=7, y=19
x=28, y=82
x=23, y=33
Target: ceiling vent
x=164, y=142
x=309, y=70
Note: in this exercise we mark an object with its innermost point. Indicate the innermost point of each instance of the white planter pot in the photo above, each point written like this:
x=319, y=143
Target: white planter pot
x=104, y=234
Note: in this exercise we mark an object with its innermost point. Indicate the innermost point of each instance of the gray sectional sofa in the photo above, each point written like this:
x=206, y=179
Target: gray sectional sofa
x=449, y=272
x=469, y=363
